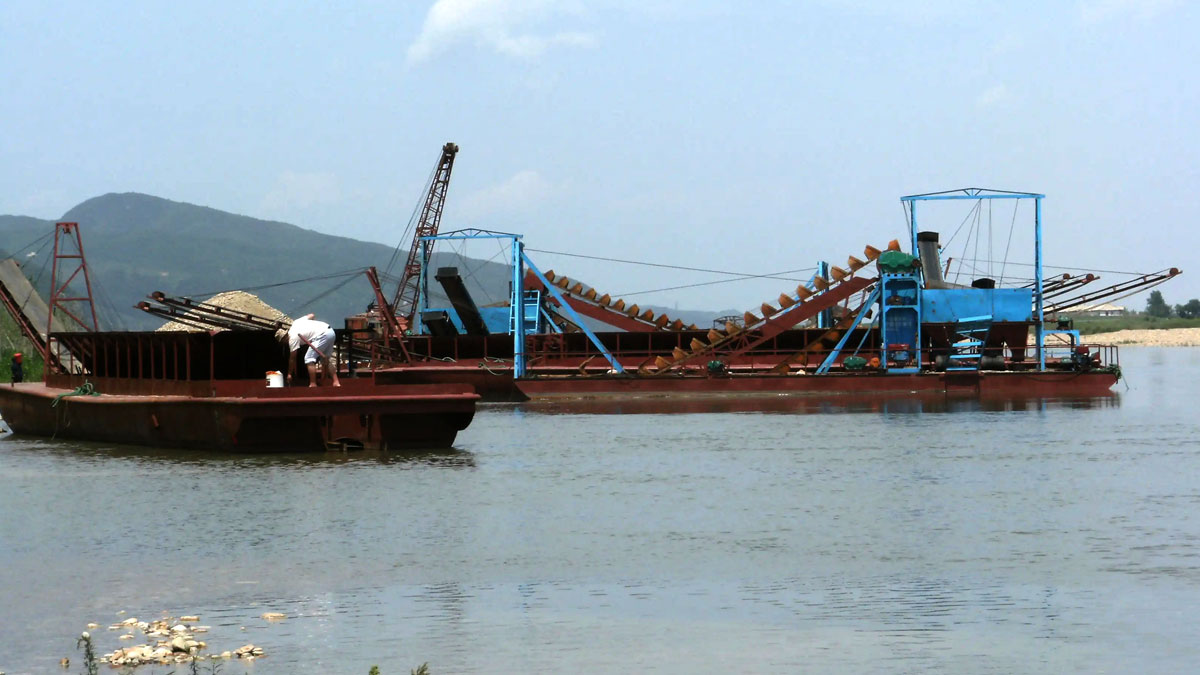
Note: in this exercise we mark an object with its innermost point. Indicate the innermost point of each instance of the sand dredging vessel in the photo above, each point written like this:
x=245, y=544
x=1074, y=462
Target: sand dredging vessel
x=886, y=322
x=204, y=389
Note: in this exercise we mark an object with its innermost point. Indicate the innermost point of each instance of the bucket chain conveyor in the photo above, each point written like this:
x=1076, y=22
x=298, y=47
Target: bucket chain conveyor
x=601, y=307
x=806, y=303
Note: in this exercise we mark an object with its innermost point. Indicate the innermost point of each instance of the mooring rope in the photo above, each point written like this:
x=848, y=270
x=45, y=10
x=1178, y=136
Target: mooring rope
x=85, y=389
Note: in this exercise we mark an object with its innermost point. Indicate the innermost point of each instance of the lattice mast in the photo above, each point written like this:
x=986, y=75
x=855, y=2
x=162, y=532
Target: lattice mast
x=67, y=264
x=68, y=246
x=405, y=302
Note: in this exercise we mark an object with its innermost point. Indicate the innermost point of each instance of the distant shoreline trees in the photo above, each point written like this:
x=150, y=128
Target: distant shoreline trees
x=1157, y=307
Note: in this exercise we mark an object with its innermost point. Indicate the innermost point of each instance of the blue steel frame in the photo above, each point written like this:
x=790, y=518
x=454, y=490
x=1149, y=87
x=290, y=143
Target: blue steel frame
x=516, y=294
x=983, y=193
x=837, y=350
x=612, y=361
x=824, y=317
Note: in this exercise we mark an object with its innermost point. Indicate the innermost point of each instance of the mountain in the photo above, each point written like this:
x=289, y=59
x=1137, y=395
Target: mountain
x=137, y=244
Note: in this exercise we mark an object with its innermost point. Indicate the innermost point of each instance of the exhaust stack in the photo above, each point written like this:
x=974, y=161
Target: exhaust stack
x=931, y=261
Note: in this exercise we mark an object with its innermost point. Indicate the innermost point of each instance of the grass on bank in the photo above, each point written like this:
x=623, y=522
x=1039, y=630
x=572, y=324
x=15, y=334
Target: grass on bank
x=11, y=340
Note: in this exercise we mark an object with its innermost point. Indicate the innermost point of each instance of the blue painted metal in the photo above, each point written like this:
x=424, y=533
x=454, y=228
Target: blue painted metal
x=971, y=193
x=1041, y=318
x=578, y=320
x=516, y=308
x=514, y=298
x=971, y=334
x=422, y=299
x=471, y=233
x=983, y=193
x=837, y=350
x=825, y=317
x=900, y=318
x=496, y=319
x=517, y=318
x=531, y=308
x=948, y=305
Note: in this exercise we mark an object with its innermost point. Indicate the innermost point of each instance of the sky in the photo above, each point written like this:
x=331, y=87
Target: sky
x=745, y=137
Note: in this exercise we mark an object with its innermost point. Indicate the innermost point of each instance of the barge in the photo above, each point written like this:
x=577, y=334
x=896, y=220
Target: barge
x=883, y=322
x=205, y=389
x=208, y=391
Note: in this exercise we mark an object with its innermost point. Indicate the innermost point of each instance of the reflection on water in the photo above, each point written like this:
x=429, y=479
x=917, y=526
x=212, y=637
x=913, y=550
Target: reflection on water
x=777, y=535
x=84, y=450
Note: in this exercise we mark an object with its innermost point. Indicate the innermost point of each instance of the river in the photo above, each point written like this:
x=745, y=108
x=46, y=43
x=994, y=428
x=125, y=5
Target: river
x=903, y=536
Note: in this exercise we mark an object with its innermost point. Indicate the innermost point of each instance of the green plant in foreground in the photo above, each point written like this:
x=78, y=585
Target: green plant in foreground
x=374, y=670
x=90, y=664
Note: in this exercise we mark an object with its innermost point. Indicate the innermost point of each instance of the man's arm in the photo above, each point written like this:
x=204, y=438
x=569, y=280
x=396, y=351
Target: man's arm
x=291, y=373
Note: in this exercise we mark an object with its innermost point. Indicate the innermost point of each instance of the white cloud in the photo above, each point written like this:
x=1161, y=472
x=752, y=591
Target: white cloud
x=301, y=190
x=506, y=26
x=519, y=194
x=1094, y=11
x=993, y=95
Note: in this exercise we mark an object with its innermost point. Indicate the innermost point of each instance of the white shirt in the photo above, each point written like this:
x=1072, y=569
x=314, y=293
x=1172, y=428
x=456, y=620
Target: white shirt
x=305, y=329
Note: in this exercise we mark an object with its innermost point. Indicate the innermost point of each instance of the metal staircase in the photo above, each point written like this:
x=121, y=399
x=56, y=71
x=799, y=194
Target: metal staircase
x=967, y=349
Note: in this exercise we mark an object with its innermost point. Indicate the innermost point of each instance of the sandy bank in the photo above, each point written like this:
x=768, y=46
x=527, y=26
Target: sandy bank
x=1171, y=337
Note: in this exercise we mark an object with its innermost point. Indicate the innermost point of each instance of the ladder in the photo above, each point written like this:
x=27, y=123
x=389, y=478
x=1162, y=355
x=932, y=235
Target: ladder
x=970, y=335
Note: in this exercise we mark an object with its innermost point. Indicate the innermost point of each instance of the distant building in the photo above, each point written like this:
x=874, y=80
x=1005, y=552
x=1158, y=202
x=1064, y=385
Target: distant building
x=1099, y=310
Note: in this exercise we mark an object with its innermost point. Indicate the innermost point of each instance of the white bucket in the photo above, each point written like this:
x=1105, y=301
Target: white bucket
x=274, y=379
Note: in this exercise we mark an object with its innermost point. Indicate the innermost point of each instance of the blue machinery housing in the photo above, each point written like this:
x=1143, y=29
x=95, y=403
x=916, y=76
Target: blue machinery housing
x=946, y=308
x=905, y=301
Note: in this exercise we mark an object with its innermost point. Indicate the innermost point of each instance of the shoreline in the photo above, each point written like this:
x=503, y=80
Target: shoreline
x=1162, y=337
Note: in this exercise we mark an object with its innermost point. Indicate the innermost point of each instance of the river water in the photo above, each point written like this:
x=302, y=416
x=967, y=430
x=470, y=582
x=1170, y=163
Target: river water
x=1032, y=536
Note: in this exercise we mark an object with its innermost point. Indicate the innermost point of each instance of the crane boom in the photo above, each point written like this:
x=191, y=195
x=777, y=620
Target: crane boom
x=405, y=302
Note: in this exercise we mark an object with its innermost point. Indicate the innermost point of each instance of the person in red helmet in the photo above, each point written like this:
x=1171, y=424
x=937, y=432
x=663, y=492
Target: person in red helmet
x=18, y=370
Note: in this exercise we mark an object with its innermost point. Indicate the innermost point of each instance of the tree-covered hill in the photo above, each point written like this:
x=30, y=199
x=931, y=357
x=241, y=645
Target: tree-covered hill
x=137, y=244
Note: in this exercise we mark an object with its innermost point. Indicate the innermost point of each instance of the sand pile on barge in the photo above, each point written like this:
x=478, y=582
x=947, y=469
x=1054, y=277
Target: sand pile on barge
x=238, y=301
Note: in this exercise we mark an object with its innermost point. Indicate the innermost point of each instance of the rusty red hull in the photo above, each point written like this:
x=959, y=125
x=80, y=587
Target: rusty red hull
x=239, y=419
x=985, y=383
x=500, y=386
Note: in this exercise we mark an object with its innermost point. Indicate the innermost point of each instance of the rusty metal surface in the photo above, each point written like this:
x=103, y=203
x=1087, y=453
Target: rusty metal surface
x=295, y=419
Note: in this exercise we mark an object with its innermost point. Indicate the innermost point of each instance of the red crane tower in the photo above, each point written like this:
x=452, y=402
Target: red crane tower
x=405, y=302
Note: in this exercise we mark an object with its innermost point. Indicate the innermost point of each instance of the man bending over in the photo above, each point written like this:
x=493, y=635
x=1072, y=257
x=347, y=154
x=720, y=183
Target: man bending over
x=318, y=337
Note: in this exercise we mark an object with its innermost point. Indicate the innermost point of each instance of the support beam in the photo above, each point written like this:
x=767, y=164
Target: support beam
x=767, y=329
x=556, y=293
x=837, y=350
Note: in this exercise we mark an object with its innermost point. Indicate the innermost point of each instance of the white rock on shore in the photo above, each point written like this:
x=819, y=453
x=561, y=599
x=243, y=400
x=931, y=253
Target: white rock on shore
x=177, y=644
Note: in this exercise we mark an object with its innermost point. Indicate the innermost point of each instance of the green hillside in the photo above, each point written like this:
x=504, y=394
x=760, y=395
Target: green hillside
x=11, y=340
x=137, y=244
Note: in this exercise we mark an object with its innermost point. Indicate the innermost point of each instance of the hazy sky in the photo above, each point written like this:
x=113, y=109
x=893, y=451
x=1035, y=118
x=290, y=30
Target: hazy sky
x=752, y=137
